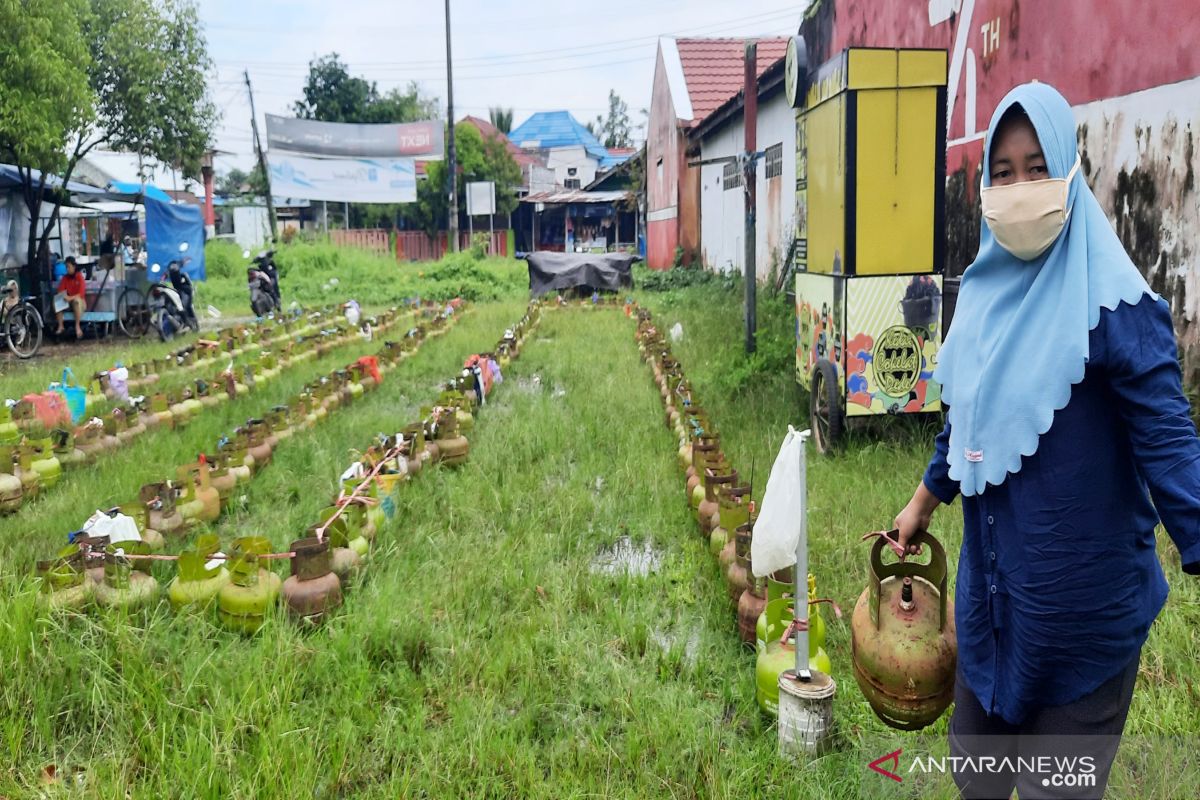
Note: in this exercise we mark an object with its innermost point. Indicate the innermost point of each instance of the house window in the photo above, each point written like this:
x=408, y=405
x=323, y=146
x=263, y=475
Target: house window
x=774, y=161
x=571, y=171
x=571, y=183
x=731, y=177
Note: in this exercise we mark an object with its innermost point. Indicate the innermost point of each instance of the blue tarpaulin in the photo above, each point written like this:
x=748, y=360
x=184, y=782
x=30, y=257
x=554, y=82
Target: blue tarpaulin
x=150, y=191
x=167, y=227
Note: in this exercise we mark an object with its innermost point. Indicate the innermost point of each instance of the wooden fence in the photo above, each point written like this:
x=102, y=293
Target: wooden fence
x=374, y=239
x=411, y=245
x=416, y=246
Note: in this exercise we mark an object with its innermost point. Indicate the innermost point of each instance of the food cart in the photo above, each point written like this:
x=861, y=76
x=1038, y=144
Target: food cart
x=116, y=294
x=870, y=186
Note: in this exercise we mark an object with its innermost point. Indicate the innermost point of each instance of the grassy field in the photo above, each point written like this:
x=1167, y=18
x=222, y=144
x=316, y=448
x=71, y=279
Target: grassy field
x=491, y=650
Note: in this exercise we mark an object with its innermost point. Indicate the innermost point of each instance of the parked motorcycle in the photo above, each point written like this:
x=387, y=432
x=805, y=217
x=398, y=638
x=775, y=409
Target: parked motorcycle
x=263, y=282
x=171, y=304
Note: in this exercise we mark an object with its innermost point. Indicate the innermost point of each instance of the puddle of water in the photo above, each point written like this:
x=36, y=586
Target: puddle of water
x=665, y=641
x=529, y=385
x=626, y=558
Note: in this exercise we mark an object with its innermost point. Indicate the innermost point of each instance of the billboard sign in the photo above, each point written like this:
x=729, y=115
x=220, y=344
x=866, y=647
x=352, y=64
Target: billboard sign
x=423, y=140
x=350, y=180
x=481, y=198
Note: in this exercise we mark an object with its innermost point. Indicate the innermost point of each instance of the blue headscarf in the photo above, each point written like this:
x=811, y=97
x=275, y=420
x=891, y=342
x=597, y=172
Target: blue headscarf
x=1019, y=341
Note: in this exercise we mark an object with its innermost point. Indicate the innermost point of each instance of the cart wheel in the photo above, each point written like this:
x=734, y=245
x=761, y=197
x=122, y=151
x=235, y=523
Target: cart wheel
x=825, y=408
x=23, y=330
x=133, y=316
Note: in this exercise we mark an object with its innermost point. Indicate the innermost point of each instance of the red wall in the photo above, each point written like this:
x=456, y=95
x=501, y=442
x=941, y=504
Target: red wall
x=1088, y=49
x=1129, y=68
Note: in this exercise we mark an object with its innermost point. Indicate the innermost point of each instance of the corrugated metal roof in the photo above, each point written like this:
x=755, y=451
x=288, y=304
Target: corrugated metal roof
x=714, y=68
x=560, y=196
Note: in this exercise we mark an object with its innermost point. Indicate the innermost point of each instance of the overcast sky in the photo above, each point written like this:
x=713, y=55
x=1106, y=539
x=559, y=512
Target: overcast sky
x=534, y=55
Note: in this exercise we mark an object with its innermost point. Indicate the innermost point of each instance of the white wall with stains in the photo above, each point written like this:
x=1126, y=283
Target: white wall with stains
x=1140, y=156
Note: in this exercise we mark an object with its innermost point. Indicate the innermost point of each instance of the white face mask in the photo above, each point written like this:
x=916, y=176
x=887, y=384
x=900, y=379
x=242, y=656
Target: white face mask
x=1027, y=217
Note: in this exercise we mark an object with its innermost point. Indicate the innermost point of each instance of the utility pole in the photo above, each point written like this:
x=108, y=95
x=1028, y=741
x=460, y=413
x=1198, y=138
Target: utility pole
x=262, y=160
x=453, y=168
x=750, y=189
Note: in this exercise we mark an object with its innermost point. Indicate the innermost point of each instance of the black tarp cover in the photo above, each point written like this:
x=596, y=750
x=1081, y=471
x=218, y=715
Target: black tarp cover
x=550, y=272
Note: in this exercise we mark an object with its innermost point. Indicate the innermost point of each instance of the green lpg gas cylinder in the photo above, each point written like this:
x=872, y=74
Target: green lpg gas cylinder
x=10, y=434
x=124, y=587
x=777, y=589
x=62, y=581
x=243, y=603
x=45, y=463
x=775, y=657
x=201, y=577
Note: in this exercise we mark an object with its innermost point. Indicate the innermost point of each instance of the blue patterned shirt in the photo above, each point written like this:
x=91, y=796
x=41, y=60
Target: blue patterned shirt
x=1058, y=580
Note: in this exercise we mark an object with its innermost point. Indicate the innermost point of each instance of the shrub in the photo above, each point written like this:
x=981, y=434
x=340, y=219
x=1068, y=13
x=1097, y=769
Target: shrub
x=223, y=259
x=481, y=243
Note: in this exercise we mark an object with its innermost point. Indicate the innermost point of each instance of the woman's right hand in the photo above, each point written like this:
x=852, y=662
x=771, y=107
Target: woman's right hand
x=914, y=517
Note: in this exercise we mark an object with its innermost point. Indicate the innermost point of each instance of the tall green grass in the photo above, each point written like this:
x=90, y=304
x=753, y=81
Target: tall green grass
x=482, y=655
x=320, y=273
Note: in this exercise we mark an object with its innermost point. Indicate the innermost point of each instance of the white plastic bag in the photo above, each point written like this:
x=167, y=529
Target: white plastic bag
x=119, y=528
x=118, y=379
x=777, y=531
x=676, y=332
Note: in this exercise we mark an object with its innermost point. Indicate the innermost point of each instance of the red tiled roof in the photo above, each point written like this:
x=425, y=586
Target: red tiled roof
x=622, y=151
x=490, y=131
x=714, y=68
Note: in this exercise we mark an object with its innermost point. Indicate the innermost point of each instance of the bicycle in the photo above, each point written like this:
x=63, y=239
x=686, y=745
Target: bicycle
x=20, y=322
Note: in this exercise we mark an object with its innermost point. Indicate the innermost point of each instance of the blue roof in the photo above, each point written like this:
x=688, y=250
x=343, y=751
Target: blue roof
x=11, y=176
x=552, y=129
x=131, y=188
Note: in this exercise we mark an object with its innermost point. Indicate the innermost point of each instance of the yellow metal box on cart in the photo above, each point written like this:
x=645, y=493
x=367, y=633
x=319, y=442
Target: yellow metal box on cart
x=870, y=229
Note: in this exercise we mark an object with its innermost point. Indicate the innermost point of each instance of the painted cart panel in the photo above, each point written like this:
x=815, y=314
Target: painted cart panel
x=893, y=332
x=819, y=329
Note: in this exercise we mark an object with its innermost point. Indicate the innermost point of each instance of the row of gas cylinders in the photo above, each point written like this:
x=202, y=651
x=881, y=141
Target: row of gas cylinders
x=720, y=500
x=903, y=641
x=32, y=460
x=240, y=585
x=284, y=335
x=217, y=350
x=204, y=488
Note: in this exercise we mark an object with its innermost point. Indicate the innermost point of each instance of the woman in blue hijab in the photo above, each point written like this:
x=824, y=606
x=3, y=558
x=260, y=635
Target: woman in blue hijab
x=1069, y=438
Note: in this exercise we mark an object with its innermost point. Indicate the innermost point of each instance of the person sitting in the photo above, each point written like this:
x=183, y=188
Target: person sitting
x=72, y=294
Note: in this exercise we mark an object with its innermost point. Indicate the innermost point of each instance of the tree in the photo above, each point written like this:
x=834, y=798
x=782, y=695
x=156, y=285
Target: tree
x=479, y=159
x=613, y=130
x=502, y=118
x=146, y=91
x=236, y=182
x=408, y=105
x=332, y=94
x=44, y=61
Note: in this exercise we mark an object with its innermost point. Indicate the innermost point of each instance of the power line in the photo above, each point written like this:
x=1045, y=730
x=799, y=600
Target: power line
x=552, y=54
x=789, y=10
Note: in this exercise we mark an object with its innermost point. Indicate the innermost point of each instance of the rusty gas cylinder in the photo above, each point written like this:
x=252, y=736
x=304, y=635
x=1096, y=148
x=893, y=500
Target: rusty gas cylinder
x=312, y=590
x=709, y=506
x=903, y=638
x=737, y=577
x=750, y=607
x=162, y=515
x=258, y=445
